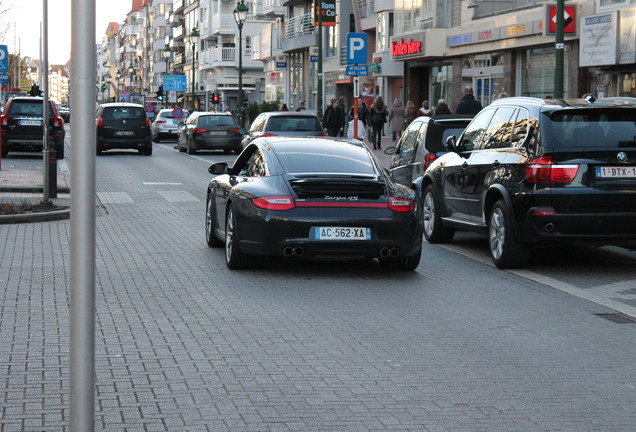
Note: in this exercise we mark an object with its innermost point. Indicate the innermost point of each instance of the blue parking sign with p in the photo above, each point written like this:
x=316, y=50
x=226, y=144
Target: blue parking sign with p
x=4, y=58
x=357, y=48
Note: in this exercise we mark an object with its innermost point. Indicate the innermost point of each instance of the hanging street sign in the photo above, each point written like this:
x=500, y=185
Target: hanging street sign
x=357, y=70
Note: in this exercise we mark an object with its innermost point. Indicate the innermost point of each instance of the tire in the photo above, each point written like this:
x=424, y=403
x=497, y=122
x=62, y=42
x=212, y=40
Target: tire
x=99, y=151
x=210, y=218
x=434, y=230
x=235, y=259
x=5, y=151
x=505, y=250
x=408, y=263
x=155, y=138
x=190, y=150
x=146, y=151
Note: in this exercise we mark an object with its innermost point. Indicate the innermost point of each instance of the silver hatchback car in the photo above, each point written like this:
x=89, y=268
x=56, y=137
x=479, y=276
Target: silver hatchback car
x=166, y=125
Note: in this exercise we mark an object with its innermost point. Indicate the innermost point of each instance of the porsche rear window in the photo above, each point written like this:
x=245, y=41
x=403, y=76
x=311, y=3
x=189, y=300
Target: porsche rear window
x=325, y=162
x=592, y=128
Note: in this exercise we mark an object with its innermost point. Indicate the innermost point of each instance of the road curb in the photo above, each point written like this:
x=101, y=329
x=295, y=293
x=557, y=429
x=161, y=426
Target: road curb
x=36, y=217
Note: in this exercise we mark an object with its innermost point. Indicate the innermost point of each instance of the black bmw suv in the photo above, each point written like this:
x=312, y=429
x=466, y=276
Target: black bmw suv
x=23, y=130
x=528, y=172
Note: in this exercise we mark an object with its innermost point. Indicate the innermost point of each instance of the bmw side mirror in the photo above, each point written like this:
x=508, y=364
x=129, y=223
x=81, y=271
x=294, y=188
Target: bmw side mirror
x=218, y=168
x=451, y=143
x=390, y=150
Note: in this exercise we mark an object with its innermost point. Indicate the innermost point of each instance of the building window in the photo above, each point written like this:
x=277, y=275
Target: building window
x=484, y=8
x=407, y=15
x=331, y=43
x=537, y=78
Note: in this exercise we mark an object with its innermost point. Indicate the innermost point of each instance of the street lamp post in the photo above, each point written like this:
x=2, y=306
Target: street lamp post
x=240, y=15
x=118, y=76
x=131, y=73
x=194, y=38
x=166, y=53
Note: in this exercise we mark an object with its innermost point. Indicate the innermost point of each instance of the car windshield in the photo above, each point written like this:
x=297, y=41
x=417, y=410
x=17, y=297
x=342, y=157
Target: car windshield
x=124, y=113
x=591, y=128
x=293, y=124
x=217, y=121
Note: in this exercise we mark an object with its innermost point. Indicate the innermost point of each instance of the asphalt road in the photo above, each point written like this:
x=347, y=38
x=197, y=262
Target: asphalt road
x=183, y=344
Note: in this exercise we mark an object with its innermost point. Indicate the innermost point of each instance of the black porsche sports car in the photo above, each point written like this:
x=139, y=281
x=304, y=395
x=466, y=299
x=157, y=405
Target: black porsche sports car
x=313, y=198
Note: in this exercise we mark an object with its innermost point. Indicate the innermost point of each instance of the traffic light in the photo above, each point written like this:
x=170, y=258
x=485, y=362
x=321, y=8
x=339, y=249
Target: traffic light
x=104, y=86
x=160, y=93
x=215, y=98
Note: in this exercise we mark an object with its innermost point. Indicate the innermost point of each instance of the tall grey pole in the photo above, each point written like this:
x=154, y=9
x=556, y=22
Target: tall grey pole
x=44, y=81
x=559, y=50
x=240, y=77
x=82, y=290
x=320, y=80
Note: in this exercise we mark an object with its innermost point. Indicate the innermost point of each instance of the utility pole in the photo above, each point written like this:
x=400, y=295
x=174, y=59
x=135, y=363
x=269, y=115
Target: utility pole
x=559, y=48
x=320, y=80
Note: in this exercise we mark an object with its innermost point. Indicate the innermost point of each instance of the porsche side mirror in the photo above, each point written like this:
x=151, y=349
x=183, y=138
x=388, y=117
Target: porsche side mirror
x=218, y=168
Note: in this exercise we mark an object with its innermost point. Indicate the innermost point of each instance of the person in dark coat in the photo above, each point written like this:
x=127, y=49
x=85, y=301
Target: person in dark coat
x=442, y=108
x=363, y=113
x=331, y=119
x=468, y=104
x=342, y=115
x=378, y=113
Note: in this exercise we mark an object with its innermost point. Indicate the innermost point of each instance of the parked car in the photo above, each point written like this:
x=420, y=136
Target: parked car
x=423, y=141
x=123, y=126
x=22, y=129
x=311, y=198
x=65, y=113
x=210, y=131
x=284, y=123
x=528, y=172
x=166, y=125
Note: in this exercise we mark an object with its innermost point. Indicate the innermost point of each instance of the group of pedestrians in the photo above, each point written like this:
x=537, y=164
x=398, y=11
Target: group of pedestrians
x=399, y=116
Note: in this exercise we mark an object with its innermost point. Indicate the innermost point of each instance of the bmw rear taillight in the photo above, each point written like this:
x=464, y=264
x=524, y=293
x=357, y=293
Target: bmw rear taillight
x=100, y=122
x=199, y=130
x=147, y=122
x=235, y=130
x=160, y=121
x=274, y=203
x=402, y=205
x=428, y=159
x=542, y=170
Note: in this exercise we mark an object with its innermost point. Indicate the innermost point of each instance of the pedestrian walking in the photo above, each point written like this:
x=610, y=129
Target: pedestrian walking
x=283, y=107
x=410, y=113
x=425, y=110
x=378, y=118
x=301, y=107
x=442, y=108
x=331, y=119
x=468, y=104
x=342, y=115
x=396, y=119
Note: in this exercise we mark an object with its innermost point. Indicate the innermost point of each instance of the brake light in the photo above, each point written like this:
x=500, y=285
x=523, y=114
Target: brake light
x=428, y=159
x=274, y=203
x=199, y=130
x=160, y=121
x=402, y=205
x=4, y=120
x=268, y=135
x=235, y=130
x=100, y=122
x=542, y=170
x=147, y=122
x=59, y=121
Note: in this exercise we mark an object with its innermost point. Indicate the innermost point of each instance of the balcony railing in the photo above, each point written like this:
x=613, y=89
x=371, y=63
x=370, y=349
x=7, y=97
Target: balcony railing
x=299, y=26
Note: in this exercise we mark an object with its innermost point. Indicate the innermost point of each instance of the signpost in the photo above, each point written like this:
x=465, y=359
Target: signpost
x=356, y=66
x=175, y=83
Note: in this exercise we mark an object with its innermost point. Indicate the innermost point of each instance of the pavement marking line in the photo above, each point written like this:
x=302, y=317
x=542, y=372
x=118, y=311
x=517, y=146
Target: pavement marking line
x=178, y=196
x=609, y=295
x=114, y=198
x=162, y=184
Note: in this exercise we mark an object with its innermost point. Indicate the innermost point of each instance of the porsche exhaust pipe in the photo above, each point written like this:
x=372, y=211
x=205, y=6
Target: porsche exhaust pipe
x=394, y=252
x=289, y=251
x=385, y=252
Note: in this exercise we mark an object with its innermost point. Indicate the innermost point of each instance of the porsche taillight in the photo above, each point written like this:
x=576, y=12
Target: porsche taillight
x=274, y=203
x=402, y=205
x=543, y=170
